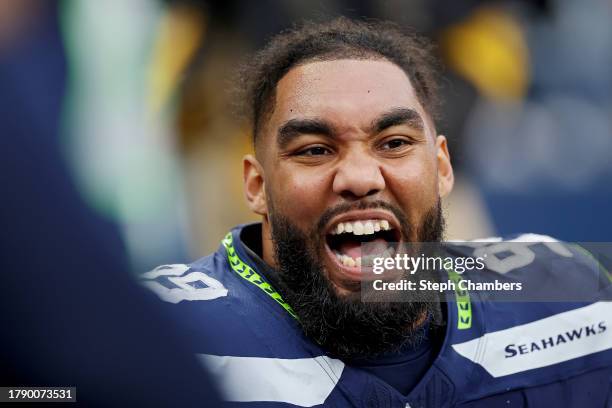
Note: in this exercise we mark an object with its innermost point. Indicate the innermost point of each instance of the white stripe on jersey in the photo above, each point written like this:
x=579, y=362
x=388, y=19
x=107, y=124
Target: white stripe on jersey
x=544, y=342
x=304, y=382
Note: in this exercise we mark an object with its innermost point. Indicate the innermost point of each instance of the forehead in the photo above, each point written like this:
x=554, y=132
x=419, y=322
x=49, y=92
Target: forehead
x=350, y=93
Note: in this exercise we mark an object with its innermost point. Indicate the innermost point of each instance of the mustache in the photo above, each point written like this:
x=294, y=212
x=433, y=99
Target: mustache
x=363, y=205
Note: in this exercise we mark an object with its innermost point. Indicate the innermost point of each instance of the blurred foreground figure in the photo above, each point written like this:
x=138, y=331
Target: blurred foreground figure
x=70, y=312
x=347, y=154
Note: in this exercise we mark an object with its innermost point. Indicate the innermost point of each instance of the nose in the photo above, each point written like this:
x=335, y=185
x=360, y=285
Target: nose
x=358, y=175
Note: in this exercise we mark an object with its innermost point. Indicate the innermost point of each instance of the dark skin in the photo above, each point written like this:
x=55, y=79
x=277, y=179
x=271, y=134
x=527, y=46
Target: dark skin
x=345, y=131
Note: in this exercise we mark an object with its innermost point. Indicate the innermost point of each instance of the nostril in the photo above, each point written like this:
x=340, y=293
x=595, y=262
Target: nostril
x=351, y=196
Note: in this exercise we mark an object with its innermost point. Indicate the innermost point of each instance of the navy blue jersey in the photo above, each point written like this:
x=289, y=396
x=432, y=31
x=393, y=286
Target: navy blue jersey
x=494, y=354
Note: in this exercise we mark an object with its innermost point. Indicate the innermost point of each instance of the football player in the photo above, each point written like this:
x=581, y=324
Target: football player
x=346, y=151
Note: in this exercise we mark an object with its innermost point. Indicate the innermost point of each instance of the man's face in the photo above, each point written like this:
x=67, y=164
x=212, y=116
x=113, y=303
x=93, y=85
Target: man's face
x=348, y=143
x=348, y=147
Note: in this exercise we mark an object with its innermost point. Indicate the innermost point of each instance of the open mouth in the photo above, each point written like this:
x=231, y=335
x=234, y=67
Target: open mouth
x=353, y=243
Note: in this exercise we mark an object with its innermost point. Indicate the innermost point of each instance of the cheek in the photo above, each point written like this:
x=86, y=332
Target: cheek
x=301, y=195
x=415, y=186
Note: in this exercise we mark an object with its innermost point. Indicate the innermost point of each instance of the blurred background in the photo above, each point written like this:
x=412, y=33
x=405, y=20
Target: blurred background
x=132, y=97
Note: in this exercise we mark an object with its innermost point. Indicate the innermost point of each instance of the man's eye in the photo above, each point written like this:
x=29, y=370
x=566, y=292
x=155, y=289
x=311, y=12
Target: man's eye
x=314, y=151
x=395, y=144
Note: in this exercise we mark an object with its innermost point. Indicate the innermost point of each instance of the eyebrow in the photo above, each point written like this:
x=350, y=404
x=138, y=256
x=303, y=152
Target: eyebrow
x=395, y=117
x=296, y=127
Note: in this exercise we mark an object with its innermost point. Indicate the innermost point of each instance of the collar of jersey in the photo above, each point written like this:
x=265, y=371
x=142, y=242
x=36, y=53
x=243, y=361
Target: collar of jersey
x=246, y=272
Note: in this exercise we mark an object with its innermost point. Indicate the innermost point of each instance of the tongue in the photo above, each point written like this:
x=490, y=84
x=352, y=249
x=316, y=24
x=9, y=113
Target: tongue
x=353, y=248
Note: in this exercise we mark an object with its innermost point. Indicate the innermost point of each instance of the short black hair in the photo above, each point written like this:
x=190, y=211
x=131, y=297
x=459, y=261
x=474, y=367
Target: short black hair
x=336, y=39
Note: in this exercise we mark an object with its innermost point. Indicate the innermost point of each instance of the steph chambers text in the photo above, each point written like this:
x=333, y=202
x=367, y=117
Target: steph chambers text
x=448, y=285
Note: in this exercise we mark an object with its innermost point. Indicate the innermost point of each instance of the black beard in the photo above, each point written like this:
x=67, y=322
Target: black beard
x=345, y=326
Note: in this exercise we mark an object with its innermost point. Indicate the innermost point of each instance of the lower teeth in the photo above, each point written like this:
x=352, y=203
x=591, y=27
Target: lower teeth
x=366, y=260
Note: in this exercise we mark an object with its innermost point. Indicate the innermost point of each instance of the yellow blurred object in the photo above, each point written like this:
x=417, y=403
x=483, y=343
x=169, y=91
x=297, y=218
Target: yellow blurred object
x=490, y=51
x=180, y=33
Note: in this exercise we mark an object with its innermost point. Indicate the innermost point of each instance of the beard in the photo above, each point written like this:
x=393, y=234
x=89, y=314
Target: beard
x=344, y=325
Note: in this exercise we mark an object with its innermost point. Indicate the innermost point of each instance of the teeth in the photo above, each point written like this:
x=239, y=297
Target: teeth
x=358, y=228
x=366, y=260
x=366, y=227
x=347, y=260
x=340, y=228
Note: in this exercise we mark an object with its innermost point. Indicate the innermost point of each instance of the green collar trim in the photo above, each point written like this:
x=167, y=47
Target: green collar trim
x=249, y=274
x=464, y=306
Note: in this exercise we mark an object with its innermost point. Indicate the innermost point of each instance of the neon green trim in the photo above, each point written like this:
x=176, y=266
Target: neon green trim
x=464, y=306
x=246, y=272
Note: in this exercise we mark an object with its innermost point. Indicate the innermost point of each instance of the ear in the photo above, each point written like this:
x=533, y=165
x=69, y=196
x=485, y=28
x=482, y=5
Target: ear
x=446, y=178
x=254, y=185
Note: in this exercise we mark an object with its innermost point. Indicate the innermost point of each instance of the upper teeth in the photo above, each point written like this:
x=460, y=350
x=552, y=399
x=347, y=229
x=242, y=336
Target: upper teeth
x=366, y=227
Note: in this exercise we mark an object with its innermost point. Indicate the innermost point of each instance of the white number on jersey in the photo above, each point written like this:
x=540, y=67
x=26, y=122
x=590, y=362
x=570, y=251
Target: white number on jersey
x=186, y=288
